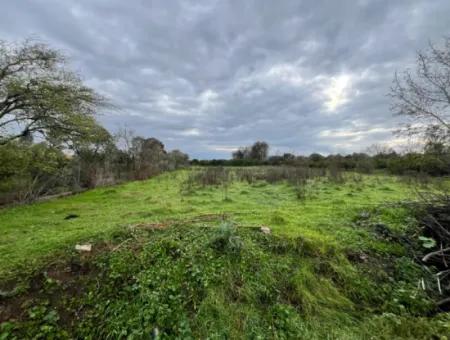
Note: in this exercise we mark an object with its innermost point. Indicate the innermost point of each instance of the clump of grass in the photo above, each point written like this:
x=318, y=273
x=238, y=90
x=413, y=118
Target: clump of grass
x=301, y=192
x=245, y=175
x=292, y=175
x=335, y=174
x=277, y=219
x=201, y=178
x=226, y=239
x=272, y=175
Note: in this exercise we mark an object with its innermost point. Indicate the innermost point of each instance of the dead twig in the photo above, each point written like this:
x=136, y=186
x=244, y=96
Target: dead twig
x=434, y=253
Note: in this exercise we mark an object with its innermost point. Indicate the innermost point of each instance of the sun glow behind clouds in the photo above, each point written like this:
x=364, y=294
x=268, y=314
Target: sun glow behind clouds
x=331, y=92
x=337, y=92
x=208, y=99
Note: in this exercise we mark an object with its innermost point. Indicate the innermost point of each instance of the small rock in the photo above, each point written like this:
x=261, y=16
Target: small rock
x=265, y=230
x=363, y=257
x=358, y=257
x=83, y=247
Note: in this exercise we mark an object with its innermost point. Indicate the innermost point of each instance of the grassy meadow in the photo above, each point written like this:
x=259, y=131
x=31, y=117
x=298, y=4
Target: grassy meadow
x=173, y=259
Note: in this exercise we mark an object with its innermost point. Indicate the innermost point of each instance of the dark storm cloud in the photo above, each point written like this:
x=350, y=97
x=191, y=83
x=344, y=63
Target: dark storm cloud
x=208, y=76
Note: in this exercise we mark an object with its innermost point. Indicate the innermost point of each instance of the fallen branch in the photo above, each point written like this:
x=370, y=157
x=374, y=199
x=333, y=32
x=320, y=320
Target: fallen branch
x=443, y=302
x=121, y=244
x=437, y=252
x=445, y=231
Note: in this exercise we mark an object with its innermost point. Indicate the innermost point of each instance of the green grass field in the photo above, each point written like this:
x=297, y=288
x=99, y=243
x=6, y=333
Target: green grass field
x=324, y=272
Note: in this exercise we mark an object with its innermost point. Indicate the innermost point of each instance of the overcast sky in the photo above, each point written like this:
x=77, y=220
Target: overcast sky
x=209, y=76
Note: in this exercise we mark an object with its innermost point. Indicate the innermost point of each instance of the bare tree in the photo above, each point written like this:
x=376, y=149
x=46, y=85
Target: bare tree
x=124, y=138
x=177, y=159
x=424, y=95
x=259, y=151
x=241, y=153
x=149, y=155
x=379, y=149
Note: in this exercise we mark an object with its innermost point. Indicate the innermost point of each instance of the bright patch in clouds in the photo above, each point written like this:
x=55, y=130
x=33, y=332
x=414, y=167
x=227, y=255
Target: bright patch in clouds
x=223, y=148
x=208, y=99
x=337, y=92
x=168, y=105
x=191, y=132
x=353, y=133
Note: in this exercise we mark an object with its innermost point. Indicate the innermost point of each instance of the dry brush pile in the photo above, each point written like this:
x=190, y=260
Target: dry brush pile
x=434, y=218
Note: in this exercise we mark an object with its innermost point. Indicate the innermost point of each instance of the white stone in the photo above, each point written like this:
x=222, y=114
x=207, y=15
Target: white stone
x=83, y=247
x=265, y=230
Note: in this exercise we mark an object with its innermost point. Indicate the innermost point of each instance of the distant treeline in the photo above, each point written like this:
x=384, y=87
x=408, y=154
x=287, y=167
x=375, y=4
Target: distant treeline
x=434, y=160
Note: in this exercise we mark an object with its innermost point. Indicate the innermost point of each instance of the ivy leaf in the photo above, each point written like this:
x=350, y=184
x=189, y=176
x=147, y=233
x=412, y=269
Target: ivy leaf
x=427, y=242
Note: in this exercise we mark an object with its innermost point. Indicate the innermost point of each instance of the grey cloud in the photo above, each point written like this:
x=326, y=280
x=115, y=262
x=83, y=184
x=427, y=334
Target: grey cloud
x=207, y=76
